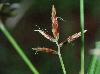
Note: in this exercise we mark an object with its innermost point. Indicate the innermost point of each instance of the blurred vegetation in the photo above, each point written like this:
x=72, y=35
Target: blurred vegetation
x=39, y=13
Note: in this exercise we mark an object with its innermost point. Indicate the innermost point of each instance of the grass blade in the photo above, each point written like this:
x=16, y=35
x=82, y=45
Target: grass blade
x=82, y=34
x=17, y=48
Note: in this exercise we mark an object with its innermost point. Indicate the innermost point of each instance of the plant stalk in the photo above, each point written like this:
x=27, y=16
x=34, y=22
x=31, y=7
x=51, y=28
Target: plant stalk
x=60, y=58
x=82, y=34
x=18, y=48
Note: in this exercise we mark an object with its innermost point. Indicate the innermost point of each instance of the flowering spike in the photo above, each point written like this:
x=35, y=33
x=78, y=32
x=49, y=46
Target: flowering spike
x=55, y=29
x=46, y=35
x=46, y=50
x=72, y=38
x=75, y=36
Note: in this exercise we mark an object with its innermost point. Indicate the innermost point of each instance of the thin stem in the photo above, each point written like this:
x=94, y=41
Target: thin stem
x=17, y=48
x=60, y=58
x=82, y=34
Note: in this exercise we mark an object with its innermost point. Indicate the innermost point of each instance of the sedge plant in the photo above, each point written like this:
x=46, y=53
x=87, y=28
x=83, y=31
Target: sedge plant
x=55, y=39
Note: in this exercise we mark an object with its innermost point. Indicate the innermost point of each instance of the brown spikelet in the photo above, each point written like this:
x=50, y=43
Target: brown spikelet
x=72, y=38
x=46, y=35
x=55, y=29
x=45, y=50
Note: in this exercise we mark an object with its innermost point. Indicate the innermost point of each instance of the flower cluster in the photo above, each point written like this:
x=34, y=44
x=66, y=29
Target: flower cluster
x=55, y=37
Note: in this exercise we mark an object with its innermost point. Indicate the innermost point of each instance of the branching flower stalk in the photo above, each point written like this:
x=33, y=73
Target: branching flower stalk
x=60, y=58
x=55, y=39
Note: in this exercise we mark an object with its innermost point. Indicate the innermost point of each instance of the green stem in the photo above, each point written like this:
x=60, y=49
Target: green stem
x=82, y=34
x=17, y=48
x=60, y=58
